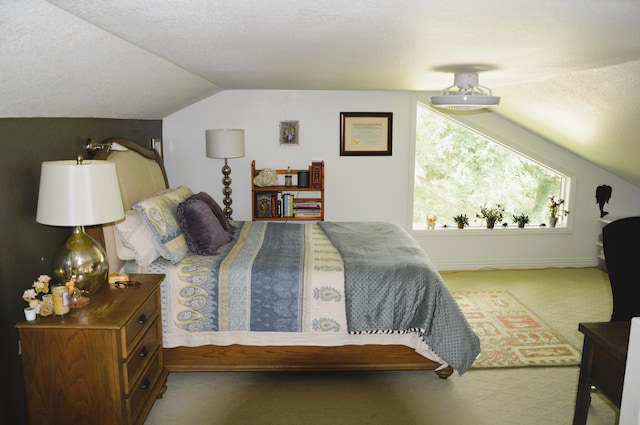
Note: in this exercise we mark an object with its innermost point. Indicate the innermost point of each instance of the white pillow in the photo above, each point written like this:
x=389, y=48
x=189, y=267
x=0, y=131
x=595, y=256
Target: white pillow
x=134, y=241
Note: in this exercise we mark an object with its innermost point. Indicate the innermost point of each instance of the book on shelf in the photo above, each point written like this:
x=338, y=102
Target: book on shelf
x=316, y=174
x=306, y=208
x=308, y=205
x=265, y=204
x=310, y=213
x=287, y=204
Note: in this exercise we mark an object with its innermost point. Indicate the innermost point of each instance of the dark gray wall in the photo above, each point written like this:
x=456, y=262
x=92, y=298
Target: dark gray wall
x=25, y=245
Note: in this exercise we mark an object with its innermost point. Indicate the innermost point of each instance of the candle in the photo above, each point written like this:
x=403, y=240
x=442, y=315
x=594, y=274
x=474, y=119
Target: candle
x=60, y=295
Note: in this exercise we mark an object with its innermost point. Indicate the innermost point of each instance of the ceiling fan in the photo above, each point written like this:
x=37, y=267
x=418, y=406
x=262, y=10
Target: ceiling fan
x=465, y=94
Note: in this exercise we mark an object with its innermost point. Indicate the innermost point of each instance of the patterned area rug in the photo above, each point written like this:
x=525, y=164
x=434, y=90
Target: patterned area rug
x=511, y=335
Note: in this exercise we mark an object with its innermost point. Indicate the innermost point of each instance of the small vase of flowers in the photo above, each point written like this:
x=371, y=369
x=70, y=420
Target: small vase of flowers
x=38, y=290
x=555, y=210
x=431, y=221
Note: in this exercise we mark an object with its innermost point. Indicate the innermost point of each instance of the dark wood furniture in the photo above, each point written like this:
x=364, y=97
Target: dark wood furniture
x=604, y=357
x=242, y=358
x=102, y=364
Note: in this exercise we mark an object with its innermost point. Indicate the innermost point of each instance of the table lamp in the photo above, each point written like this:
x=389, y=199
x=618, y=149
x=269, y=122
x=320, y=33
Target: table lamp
x=79, y=193
x=225, y=143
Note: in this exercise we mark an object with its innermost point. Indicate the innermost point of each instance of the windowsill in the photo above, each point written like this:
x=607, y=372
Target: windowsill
x=483, y=231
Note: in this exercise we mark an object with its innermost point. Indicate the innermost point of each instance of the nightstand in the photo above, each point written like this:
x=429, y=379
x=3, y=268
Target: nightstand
x=102, y=364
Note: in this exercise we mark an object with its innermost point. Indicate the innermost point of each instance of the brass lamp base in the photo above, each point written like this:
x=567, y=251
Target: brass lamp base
x=81, y=256
x=226, y=190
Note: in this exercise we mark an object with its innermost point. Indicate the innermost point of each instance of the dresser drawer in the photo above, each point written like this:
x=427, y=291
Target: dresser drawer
x=144, y=388
x=139, y=321
x=141, y=354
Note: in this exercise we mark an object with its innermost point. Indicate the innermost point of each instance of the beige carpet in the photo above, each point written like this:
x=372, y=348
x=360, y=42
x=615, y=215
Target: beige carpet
x=510, y=334
x=496, y=396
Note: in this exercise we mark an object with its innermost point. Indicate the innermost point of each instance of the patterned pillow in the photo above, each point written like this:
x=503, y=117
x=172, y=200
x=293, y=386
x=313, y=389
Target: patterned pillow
x=159, y=215
x=202, y=229
x=178, y=194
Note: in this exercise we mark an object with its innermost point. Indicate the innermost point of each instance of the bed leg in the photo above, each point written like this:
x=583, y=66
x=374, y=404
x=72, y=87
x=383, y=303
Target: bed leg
x=445, y=372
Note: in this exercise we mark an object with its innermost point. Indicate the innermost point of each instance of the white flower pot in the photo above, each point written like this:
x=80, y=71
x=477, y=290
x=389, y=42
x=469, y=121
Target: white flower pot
x=30, y=313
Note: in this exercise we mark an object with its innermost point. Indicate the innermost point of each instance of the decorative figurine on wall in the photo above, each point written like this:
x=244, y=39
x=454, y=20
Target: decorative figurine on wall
x=603, y=194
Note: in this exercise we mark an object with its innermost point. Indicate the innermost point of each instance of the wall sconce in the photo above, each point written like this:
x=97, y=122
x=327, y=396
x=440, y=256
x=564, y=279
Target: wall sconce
x=225, y=143
x=92, y=147
x=156, y=143
x=77, y=194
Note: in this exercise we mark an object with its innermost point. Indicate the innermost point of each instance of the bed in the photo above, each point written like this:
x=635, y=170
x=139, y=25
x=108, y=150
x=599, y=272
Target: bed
x=267, y=296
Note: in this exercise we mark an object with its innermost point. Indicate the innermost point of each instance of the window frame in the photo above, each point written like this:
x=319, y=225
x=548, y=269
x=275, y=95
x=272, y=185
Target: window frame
x=464, y=120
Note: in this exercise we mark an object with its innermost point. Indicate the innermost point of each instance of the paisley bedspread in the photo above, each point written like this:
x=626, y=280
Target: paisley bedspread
x=306, y=279
x=283, y=277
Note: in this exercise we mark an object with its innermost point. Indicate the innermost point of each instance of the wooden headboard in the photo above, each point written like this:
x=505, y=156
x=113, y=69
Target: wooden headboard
x=141, y=174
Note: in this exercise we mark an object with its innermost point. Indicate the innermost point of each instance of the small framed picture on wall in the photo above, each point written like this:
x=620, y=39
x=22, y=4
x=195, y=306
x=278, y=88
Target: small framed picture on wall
x=289, y=135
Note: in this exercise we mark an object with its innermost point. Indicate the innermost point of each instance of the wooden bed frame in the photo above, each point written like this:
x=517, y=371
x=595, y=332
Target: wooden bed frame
x=141, y=176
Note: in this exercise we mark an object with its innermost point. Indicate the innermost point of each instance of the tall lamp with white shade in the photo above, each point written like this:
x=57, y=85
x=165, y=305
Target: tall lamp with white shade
x=76, y=194
x=225, y=143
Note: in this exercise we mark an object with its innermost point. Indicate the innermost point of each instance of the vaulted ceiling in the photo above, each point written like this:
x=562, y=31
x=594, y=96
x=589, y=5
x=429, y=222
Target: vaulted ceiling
x=568, y=70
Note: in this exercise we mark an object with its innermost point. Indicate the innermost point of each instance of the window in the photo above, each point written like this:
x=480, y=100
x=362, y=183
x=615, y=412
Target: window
x=458, y=171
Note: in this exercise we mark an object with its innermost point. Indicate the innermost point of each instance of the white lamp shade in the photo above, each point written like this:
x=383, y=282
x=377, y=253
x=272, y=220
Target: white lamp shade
x=73, y=194
x=225, y=143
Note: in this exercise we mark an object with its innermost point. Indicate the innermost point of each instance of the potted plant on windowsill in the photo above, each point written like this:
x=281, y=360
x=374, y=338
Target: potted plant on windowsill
x=521, y=219
x=555, y=211
x=461, y=220
x=491, y=215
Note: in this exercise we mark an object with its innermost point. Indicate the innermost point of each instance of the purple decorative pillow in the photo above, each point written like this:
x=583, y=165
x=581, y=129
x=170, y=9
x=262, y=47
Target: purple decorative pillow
x=217, y=211
x=202, y=229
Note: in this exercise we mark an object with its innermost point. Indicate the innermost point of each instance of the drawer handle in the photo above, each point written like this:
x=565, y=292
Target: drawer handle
x=144, y=352
x=143, y=319
x=145, y=384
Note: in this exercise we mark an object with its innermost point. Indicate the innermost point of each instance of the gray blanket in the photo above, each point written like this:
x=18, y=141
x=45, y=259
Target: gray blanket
x=391, y=285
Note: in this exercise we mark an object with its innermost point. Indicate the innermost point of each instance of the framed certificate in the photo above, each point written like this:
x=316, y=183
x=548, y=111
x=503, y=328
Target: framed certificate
x=365, y=133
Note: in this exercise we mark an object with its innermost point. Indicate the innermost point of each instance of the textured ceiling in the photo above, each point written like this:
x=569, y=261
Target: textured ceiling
x=568, y=70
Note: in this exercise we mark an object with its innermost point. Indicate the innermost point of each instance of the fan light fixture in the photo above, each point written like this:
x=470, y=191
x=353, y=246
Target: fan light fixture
x=465, y=94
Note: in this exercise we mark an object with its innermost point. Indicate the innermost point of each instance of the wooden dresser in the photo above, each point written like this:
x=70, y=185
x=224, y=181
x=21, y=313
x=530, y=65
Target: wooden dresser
x=102, y=364
x=604, y=358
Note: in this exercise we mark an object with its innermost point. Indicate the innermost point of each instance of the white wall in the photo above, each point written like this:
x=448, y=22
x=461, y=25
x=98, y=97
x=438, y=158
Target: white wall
x=379, y=188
